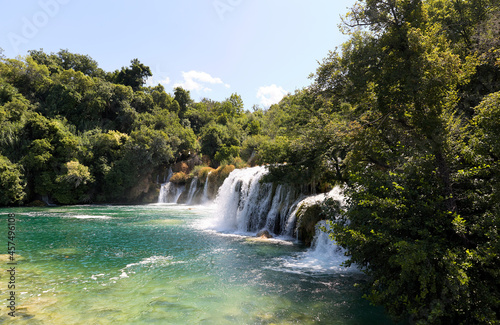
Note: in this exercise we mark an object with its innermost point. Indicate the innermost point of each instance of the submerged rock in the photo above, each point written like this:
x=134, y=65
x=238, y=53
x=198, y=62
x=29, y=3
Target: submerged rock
x=264, y=234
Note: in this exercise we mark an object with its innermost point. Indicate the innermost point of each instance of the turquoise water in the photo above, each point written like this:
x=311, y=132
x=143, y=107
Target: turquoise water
x=154, y=264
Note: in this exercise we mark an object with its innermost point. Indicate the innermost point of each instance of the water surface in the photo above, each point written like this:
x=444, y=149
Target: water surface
x=154, y=264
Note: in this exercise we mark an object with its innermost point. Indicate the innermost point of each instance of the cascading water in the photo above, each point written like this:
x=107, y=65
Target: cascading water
x=335, y=194
x=169, y=192
x=205, y=198
x=192, y=190
x=324, y=256
x=175, y=193
x=246, y=205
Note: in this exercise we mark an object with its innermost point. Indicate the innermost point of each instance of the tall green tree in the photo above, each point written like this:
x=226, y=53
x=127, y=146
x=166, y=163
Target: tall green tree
x=408, y=223
x=183, y=98
x=134, y=76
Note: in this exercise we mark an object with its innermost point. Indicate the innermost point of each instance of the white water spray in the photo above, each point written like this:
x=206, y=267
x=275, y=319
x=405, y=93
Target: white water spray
x=324, y=256
x=245, y=205
x=192, y=190
x=205, y=198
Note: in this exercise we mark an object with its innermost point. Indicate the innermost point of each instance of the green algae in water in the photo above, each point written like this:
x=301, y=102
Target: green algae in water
x=151, y=265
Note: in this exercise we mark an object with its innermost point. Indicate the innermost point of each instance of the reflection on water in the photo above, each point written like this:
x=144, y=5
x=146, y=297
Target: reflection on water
x=155, y=264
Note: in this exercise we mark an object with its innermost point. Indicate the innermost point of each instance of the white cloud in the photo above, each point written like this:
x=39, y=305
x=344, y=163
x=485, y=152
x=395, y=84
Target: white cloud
x=152, y=81
x=271, y=95
x=197, y=80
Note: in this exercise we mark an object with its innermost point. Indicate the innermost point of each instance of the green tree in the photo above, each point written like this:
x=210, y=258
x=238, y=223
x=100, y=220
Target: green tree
x=408, y=223
x=49, y=145
x=183, y=98
x=72, y=184
x=11, y=183
x=199, y=115
x=80, y=63
x=227, y=154
x=65, y=60
x=31, y=79
x=135, y=76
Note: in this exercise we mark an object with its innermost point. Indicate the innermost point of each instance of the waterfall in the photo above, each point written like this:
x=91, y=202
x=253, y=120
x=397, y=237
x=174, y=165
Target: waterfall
x=166, y=188
x=169, y=175
x=170, y=193
x=192, y=190
x=205, y=198
x=324, y=256
x=191, y=194
x=162, y=197
x=324, y=247
x=292, y=216
x=246, y=205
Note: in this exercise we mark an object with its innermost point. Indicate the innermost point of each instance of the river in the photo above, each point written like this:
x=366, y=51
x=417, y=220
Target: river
x=161, y=264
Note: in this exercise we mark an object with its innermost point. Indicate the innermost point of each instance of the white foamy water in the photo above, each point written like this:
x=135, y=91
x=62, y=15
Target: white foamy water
x=192, y=190
x=245, y=205
x=151, y=261
x=87, y=216
x=324, y=256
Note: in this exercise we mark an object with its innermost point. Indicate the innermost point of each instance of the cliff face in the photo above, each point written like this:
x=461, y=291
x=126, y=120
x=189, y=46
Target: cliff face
x=145, y=191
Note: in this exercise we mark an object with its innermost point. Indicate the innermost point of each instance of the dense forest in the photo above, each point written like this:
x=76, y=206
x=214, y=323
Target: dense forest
x=405, y=116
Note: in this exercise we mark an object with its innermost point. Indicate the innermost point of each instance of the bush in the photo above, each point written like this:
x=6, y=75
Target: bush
x=218, y=176
x=180, y=178
x=202, y=172
x=11, y=185
x=239, y=163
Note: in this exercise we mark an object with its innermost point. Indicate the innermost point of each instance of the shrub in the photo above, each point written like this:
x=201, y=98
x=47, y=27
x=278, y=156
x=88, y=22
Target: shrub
x=180, y=178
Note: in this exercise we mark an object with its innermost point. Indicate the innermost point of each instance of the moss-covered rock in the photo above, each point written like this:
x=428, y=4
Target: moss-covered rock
x=308, y=215
x=37, y=203
x=202, y=172
x=216, y=178
x=180, y=178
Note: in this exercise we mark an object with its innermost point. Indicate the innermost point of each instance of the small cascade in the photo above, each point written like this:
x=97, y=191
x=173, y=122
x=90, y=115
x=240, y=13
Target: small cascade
x=324, y=256
x=273, y=213
x=189, y=194
x=324, y=247
x=170, y=193
x=192, y=190
x=163, y=194
x=166, y=189
x=169, y=175
x=292, y=217
x=205, y=198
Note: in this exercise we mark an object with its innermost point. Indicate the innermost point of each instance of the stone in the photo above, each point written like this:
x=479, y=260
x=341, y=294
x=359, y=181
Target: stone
x=264, y=234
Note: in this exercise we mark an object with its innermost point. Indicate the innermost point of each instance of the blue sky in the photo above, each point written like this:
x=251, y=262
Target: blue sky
x=260, y=49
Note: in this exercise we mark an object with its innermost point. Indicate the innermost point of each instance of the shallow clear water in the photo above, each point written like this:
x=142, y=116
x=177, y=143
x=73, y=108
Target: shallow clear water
x=154, y=264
